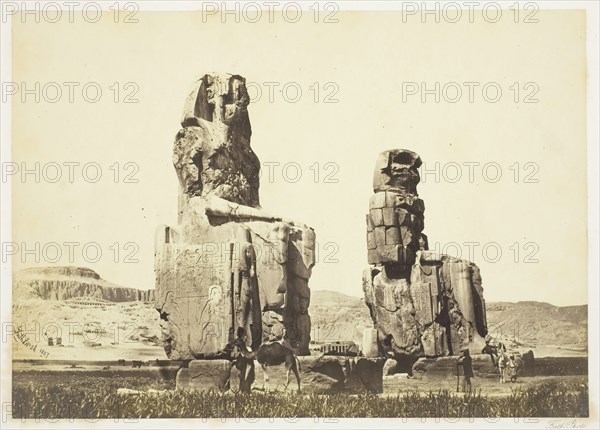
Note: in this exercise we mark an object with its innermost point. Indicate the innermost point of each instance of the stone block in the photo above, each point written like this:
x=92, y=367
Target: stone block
x=376, y=217
x=204, y=375
x=379, y=234
x=365, y=376
x=370, y=225
x=389, y=254
x=389, y=216
x=378, y=200
x=373, y=256
x=328, y=375
x=371, y=244
x=391, y=199
x=445, y=367
x=392, y=236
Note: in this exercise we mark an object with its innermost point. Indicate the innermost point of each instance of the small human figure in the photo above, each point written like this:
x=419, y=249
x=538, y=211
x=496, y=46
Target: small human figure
x=494, y=348
x=244, y=366
x=512, y=368
x=491, y=349
x=465, y=360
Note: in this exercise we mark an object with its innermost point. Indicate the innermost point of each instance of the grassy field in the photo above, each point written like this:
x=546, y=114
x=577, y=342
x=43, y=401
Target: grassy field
x=49, y=395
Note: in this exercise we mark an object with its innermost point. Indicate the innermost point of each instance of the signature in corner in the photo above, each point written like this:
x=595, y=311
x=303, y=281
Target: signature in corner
x=565, y=424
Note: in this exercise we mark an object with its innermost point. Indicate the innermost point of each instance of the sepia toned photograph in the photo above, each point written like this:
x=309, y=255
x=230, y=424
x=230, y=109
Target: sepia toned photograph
x=325, y=214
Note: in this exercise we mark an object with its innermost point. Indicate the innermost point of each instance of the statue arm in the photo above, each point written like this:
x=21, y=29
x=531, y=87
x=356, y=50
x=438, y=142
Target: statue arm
x=219, y=207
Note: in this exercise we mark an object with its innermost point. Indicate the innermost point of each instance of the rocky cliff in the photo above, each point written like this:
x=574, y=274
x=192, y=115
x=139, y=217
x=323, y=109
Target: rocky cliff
x=63, y=283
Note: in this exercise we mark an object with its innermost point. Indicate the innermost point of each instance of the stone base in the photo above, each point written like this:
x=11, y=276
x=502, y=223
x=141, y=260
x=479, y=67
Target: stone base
x=326, y=374
x=204, y=375
x=483, y=367
x=318, y=375
x=445, y=367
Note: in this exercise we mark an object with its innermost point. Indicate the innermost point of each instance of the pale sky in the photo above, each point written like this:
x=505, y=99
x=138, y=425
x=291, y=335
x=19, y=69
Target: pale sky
x=361, y=62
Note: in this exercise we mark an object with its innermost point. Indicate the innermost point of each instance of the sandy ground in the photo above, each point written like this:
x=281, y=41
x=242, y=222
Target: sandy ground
x=82, y=366
x=399, y=383
x=140, y=349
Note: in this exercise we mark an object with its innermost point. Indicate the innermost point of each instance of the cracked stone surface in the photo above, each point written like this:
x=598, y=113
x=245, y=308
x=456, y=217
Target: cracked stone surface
x=423, y=304
x=227, y=264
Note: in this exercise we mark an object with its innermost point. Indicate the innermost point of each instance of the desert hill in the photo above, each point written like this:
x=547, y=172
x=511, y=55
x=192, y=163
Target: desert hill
x=526, y=324
x=540, y=325
x=69, y=282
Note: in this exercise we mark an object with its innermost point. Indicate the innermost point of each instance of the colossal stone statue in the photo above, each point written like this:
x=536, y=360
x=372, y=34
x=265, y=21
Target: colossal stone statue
x=421, y=303
x=227, y=264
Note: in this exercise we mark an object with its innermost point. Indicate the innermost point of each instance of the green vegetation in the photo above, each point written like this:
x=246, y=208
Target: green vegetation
x=49, y=395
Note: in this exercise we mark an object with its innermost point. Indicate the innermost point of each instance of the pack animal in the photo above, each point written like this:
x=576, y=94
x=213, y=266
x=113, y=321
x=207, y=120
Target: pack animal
x=270, y=354
x=503, y=363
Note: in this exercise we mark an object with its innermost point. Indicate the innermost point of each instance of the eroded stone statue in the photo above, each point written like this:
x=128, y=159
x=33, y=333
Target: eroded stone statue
x=227, y=263
x=421, y=303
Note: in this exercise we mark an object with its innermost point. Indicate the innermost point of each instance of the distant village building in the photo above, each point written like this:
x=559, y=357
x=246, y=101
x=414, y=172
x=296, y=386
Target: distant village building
x=89, y=301
x=346, y=348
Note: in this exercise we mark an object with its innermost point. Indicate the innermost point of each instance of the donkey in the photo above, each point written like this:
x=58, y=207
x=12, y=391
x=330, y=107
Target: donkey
x=271, y=354
x=503, y=363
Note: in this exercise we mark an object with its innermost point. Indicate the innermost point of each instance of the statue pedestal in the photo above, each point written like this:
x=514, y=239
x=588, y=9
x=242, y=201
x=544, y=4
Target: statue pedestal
x=318, y=375
x=205, y=375
x=445, y=367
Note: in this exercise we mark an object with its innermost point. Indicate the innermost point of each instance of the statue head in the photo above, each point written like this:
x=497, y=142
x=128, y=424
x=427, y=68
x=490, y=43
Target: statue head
x=219, y=98
x=397, y=169
x=212, y=153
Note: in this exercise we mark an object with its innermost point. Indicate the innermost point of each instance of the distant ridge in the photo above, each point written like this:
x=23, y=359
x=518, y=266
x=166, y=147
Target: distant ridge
x=524, y=324
x=71, y=282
